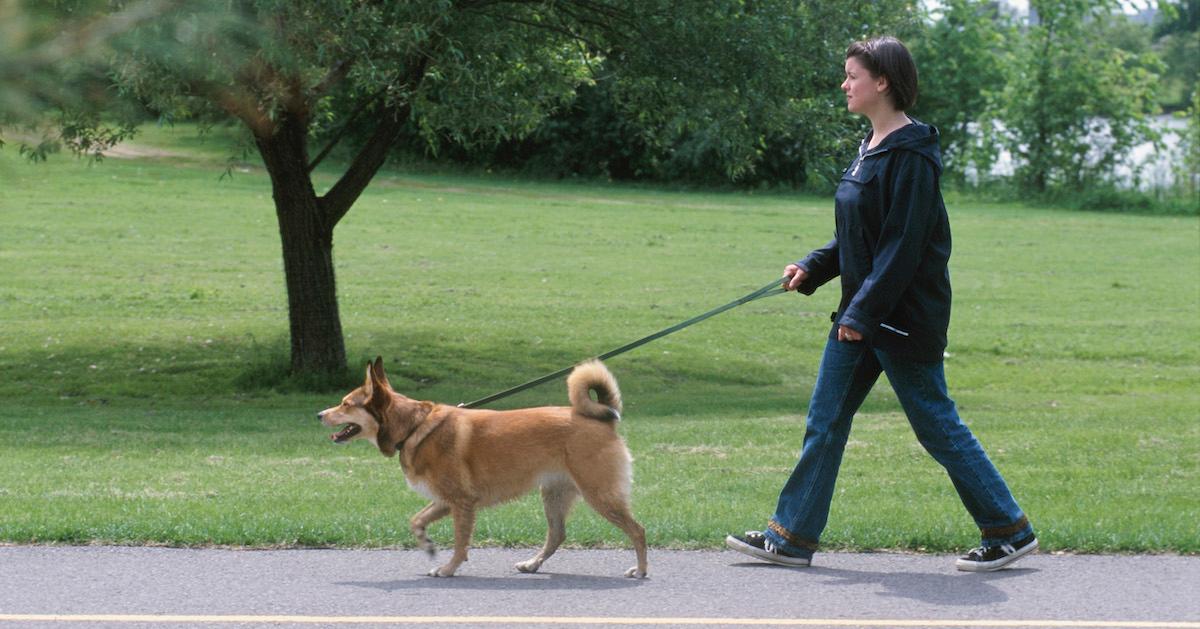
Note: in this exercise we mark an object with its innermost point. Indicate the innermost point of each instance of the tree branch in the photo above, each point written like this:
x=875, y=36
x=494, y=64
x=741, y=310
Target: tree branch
x=337, y=201
x=235, y=102
x=345, y=128
x=335, y=76
x=561, y=30
x=612, y=18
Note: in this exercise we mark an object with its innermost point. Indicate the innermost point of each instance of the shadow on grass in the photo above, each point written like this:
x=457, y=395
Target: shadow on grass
x=427, y=367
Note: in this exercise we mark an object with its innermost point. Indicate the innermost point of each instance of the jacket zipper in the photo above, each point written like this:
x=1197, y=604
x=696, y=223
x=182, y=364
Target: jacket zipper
x=896, y=330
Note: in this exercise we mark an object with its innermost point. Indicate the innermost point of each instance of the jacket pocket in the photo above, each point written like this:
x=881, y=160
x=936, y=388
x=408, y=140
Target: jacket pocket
x=859, y=173
x=855, y=203
x=855, y=195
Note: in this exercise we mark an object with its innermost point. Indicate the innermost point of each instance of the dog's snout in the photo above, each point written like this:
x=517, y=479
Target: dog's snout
x=320, y=415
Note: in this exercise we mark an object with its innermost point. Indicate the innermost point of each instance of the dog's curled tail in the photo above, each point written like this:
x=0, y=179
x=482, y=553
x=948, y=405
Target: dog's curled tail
x=594, y=376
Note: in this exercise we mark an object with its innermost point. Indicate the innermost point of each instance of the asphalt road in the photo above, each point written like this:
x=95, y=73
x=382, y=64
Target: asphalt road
x=139, y=587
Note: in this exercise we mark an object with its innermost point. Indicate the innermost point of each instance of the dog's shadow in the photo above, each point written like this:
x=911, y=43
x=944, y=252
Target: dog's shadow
x=515, y=582
x=927, y=587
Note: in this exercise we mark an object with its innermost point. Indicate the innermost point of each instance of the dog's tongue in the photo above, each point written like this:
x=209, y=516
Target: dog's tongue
x=345, y=433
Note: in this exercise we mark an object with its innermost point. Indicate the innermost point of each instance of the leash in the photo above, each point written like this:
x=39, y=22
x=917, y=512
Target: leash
x=774, y=288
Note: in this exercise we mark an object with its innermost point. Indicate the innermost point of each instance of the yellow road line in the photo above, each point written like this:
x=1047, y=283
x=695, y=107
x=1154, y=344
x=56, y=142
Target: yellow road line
x=586, y=620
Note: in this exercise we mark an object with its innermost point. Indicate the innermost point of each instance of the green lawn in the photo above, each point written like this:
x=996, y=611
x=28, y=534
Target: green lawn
x=142, y=320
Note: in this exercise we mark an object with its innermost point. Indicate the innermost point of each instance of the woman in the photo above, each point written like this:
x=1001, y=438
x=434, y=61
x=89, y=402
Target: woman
x=891, y=248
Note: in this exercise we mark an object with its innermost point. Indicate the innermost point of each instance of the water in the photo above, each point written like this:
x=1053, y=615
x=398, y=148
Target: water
x=1146, y=167
x=1158, y=167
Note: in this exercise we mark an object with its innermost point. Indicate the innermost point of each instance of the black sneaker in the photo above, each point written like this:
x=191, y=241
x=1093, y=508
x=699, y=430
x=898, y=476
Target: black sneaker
x=987, y=559
x=755, y=544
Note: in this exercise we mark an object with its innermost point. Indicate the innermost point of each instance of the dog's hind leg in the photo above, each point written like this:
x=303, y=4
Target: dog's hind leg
x=558, y=498
x=433, y=512
x=464, y=526
x=618, y=513
x=606, y=489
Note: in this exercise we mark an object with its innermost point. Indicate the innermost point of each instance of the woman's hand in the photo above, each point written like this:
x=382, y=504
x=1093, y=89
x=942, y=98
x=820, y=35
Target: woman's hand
x=793, y=275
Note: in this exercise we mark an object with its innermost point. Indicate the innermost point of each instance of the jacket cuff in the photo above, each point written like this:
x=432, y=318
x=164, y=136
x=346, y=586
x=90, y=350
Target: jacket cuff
x=849, y=320
x=808, y=286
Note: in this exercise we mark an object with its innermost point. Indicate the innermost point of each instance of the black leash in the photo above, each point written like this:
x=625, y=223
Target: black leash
x=774, y=288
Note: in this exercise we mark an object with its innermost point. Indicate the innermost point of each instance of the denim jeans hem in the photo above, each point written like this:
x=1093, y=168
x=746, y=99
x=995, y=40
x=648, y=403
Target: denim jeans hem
x=991, y=537
x=773, y=533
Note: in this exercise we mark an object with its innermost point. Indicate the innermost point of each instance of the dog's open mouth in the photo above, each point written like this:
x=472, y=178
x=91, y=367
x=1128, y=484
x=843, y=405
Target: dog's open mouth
x=346, y=433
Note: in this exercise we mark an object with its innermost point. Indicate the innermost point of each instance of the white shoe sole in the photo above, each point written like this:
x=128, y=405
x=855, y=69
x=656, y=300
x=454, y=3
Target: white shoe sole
x=992, y=566
x=783, y=560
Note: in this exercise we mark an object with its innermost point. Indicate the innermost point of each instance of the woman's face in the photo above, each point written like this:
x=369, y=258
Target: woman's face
x=864, y=93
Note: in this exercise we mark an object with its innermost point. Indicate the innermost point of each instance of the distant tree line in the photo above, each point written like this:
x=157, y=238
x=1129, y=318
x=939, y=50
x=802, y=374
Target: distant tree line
x=1066, y=93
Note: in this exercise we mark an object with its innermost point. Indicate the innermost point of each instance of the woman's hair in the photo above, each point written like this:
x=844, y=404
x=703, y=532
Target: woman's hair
x=887, y=57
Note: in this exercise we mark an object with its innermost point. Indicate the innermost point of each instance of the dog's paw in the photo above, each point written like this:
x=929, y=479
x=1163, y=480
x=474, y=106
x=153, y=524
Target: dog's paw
x=530, y=566
x=429, y=548
x=635, y=573
x=442, y=571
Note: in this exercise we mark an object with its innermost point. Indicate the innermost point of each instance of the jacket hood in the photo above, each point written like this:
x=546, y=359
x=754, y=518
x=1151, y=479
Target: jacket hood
x=918, y=137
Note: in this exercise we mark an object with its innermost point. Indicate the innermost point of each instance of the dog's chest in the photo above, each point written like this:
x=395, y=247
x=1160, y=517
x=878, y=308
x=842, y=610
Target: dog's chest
x=421, y=487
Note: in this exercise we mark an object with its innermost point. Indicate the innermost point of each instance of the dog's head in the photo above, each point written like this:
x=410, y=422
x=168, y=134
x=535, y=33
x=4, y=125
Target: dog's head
x=364, y=411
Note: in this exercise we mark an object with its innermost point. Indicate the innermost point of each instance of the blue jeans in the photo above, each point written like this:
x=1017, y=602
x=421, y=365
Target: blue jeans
x=847, y=373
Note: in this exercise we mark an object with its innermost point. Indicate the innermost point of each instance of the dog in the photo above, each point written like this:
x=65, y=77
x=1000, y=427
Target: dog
x=466, y=459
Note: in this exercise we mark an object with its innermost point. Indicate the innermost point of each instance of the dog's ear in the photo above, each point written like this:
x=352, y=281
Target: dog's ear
x=379, y=403
x=369, y=383
x=377, y=376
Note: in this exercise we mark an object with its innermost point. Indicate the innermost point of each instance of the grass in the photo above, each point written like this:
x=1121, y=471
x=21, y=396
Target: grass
x=142, y=313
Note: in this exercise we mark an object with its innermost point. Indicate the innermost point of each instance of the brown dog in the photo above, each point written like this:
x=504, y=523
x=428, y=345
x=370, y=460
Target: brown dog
x=464, y=460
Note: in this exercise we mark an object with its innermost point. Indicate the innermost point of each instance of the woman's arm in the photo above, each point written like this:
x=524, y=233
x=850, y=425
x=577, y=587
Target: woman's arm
x=815, y=269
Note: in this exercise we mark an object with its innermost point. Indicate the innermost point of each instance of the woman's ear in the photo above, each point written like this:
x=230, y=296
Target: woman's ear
x=881, y=85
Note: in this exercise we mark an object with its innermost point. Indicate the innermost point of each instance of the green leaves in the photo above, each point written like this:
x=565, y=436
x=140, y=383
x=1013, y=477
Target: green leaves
x=1073, y=105
x=721, y=83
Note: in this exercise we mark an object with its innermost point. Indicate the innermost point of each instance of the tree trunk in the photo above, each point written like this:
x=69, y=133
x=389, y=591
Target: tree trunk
x=306, y=234
x=306, y=221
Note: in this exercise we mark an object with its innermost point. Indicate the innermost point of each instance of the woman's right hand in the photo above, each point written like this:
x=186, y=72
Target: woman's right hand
x=793, y=275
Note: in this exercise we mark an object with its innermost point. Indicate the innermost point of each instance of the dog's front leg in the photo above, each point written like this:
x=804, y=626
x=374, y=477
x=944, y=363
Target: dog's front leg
x=464, y=526
x=433, y=512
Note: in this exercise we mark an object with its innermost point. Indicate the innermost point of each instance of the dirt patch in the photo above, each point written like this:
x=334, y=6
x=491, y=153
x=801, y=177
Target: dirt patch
x=130, y=150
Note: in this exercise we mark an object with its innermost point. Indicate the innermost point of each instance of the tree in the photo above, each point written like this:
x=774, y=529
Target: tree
x=1073, y=105
x=960, y=62
x=55, y=87
x=1187, y=171
x=470, y=70
x=1177, y=41
x=601, y=133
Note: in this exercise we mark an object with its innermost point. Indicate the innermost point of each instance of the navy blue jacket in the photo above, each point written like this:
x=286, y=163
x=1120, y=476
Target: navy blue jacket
x=891, y=246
